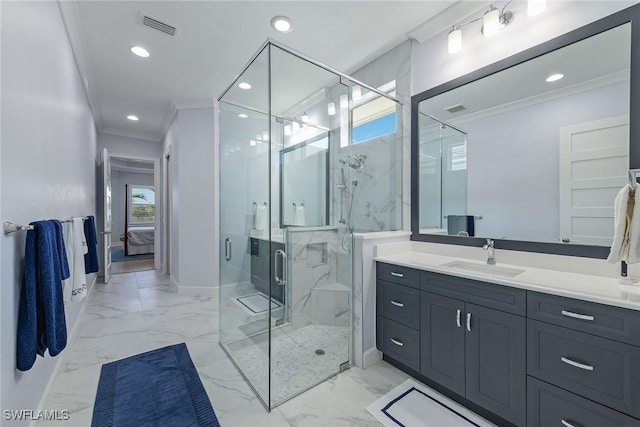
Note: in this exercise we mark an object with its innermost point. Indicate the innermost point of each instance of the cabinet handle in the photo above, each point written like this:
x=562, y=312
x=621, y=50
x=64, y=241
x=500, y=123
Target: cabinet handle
x=227, y=249
x=469, y=322
x=567, y=423
x=577, y=316
x=397, y=304
x=577, y=364
x=393, y=273
x=397, y=342
x=458, y=314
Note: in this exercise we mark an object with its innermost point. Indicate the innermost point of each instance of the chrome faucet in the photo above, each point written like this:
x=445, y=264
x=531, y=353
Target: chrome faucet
x=491, y=252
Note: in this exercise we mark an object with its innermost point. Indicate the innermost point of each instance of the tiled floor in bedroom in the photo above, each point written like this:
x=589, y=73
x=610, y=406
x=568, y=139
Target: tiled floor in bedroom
x=140, y=311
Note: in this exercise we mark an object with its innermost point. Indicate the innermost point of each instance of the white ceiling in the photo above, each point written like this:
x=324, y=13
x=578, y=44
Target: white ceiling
x=213, y=42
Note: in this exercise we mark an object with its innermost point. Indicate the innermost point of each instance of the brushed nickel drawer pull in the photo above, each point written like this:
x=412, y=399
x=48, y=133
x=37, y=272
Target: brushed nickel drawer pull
x=469, y=322
x=577, y=316
x=393, y=273
x=397, y=304
x=577, y=364
x=397, y=342
x=567, y=423
x=458, y=314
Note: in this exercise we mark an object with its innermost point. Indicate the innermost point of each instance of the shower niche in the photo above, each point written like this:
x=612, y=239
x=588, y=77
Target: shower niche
x=286, y=165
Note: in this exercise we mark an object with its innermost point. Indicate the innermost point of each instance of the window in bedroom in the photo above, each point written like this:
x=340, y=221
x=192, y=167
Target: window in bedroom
x=142, y=202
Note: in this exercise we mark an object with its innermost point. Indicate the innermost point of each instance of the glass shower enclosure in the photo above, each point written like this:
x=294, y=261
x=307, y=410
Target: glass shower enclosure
x=285, y=267
x=443, y=178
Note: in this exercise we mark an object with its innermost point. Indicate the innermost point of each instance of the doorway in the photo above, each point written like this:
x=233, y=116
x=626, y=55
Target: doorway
x=134, y=215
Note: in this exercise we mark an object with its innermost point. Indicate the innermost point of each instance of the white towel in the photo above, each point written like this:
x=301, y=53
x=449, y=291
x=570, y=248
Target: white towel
x=75, y=287
x=260, y=220
x=626, y=238
x=298, y=215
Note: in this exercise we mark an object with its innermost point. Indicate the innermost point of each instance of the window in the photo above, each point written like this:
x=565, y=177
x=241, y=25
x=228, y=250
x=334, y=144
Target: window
x=374, y=118
x=142, y=205
x=458, y=157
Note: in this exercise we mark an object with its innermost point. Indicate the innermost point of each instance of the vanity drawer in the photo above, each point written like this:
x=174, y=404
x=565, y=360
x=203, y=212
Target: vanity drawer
x=399, y=303
x=400, y=342
x=553, y=406
x=617, y=323
x=597, y=368
x=397, y=274
x=503, y=298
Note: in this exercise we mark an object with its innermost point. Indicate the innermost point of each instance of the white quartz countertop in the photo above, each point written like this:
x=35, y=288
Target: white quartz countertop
x=598, y=289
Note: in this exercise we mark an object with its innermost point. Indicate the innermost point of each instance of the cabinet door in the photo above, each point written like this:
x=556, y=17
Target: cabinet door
x=496, y=362
x=442, y=340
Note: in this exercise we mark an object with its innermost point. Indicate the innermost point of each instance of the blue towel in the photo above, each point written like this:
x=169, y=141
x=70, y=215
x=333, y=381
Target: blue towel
x=41, y=319
x=91, y=264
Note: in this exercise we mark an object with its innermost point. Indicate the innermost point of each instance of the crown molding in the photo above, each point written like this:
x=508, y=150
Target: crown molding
x=130, y=134
x=71, y=20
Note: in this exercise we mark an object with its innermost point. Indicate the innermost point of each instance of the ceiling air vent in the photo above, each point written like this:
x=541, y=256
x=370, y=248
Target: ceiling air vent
x=160, y=26
x=456, y=108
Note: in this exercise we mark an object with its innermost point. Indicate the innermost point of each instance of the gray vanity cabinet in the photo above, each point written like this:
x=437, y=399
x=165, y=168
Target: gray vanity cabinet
x=262, y=275
x=442, y=341
x=475, y=351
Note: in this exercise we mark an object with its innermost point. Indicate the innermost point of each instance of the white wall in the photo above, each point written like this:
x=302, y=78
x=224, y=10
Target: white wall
x=119, y=197
x=48, y=165
x=128, y=146
x=194, y=237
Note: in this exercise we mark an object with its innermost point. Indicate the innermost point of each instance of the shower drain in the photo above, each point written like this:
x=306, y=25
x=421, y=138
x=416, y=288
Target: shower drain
x=319, y=352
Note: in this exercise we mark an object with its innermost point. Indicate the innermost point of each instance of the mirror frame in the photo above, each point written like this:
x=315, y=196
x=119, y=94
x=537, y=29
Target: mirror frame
x=629, y=15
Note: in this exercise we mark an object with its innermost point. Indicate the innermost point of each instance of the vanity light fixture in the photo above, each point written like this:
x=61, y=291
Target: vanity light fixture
x=281, y=23
x=287, y=130
x=243, y=116
x=139, y=51
x=356, y=92
x=455, y=40
x=133, y=117
x=305, y=118
x=493, y=20
x=554, y=77
x=536, y=7
x=244, y=85
x=331, y=108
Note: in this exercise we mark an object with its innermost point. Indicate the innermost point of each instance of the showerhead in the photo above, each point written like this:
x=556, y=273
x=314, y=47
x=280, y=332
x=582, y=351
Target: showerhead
x=354, y=161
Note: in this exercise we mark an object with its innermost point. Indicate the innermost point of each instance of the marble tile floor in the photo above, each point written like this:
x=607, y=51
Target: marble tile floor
x=141, y=311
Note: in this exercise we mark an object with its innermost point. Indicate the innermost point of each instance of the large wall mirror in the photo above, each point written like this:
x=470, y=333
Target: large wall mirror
x=530, y=151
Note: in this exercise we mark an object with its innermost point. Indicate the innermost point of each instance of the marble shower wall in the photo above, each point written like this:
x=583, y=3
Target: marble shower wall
x=388, y=158
x=318, y=290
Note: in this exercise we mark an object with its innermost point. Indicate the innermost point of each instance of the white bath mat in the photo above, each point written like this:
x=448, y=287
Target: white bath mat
x=412, y=404
x=257, y=303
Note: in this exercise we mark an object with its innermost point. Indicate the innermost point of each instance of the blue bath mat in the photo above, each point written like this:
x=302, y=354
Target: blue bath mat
x=157, y=388
x=117, y=255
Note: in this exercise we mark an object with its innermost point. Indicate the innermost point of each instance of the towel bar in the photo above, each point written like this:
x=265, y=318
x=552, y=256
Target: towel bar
x=10, y=227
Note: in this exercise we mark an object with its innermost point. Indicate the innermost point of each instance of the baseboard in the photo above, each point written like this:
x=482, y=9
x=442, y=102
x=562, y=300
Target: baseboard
x=70, y=339
x=206, y=291
x=371, y=357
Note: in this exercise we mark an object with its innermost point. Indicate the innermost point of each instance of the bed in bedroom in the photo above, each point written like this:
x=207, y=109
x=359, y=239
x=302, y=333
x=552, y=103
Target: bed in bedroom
x=139, y=240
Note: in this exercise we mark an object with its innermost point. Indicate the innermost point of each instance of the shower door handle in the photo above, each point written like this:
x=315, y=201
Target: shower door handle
x=227, y=249
x=280, y=280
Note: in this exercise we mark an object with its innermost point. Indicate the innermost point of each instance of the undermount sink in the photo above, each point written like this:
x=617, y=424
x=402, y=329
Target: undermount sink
x=491, y=270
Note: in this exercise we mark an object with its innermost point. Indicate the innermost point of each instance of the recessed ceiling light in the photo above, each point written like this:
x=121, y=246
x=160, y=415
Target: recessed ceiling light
x=281, y=23
x=243, y=116
x=140, y=51
x=133, y=118
x=555, y=77
x=244, y=85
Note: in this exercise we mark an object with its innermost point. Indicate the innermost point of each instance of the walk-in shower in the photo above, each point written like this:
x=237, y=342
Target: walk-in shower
x=285, y=275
